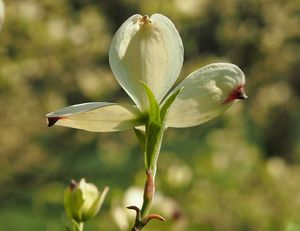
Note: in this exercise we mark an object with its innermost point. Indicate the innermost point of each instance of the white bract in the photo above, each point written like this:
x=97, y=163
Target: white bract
x=150, y=50
x=2, y=12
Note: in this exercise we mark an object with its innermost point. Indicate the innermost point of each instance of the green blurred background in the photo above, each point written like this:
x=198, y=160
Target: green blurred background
x=237, y=172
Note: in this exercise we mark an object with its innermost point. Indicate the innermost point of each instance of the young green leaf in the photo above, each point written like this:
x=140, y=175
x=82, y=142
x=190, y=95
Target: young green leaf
x=166, y=105
x=153, y=127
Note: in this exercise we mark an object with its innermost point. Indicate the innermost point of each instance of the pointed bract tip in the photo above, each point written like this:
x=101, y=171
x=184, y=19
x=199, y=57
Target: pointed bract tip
x=242, y=94
x=52, y=120
x=238, y=93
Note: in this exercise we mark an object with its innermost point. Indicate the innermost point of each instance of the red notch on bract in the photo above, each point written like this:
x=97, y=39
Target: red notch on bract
x=53, y=120
x=238, y=93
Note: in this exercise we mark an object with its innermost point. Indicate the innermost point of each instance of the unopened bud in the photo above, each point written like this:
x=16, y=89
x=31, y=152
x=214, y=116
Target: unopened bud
x=83, y=200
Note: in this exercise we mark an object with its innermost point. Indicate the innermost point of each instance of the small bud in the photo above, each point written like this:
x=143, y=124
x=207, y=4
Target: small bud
x=83, y=200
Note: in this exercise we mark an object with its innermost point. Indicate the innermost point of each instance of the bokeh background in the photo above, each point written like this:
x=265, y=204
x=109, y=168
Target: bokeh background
x=240, y=171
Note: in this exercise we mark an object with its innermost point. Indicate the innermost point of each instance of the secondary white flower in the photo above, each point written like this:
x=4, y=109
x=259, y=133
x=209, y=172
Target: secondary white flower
x=149, y=49
x=2, y=13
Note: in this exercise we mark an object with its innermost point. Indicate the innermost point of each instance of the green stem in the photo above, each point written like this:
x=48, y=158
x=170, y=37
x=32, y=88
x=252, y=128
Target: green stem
x=149, y=191
x=77, y=226
x=149, y=188
x=151, y=141
x=81, y=224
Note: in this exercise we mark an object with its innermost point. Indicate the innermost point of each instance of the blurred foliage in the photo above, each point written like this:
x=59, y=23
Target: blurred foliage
x=238, y=172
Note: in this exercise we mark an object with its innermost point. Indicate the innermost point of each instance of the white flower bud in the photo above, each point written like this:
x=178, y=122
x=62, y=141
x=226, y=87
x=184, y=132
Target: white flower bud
x=83, y=200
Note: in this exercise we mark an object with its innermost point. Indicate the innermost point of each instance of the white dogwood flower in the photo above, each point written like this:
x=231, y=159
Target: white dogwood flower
x=150, y=50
